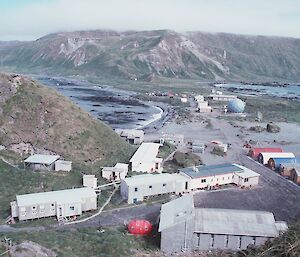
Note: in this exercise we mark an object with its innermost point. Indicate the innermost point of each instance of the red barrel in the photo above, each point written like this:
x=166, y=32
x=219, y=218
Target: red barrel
x=139, y=227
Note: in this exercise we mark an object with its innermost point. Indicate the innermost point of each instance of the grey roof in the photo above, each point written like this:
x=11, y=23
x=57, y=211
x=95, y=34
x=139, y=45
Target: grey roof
x=176, y=211
x=60, y=196
x=149, y=179
x=42, y=159
x=147, y=152
x=213, y=170
x=235, y=222
x=246, y=173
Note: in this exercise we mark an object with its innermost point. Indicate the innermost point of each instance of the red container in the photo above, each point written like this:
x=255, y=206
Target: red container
x=254, y=152
x=139, y=227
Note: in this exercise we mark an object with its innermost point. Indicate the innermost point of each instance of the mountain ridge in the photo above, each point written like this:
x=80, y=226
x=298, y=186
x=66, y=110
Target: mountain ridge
x=163, y=53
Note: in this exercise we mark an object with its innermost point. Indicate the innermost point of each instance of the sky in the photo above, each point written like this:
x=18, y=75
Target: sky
x=31, y=19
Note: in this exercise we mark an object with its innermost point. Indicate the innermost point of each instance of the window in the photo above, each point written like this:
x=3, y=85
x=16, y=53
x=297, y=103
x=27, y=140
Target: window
x=33, y=209
x=42, y=208
x=164, y=185
x=223, y=178
x=246, y=179
x=135, y=189
x=72, y=208
x=23, y=211
x=203, y=180
x=150, y=187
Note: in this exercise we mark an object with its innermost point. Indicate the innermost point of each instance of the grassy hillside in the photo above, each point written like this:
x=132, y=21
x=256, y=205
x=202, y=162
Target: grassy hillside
x=37, y=118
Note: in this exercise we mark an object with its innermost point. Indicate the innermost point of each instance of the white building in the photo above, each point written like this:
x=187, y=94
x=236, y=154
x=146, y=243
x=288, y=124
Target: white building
x=145, y=160
x=61, y=165
x=132, y=136
x=41, y=161
x=116, y=173
x=208, y=177
x=204, y=108
x=62, y=203
x=138, y=188
x=90, y=181
x=186, y=228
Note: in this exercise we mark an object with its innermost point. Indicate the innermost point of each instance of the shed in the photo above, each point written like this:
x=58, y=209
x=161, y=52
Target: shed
x=116, y=173
x=132, y=136
x=295, y=175
x=264, y=157
x=286, y=168
x=41, y=161
x=61, y=165
x=274, y=163
x=254, y=152
x=89, y=181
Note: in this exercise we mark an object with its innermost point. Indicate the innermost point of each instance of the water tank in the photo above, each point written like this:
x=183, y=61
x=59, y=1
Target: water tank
x=236, y=106
x=139, y=227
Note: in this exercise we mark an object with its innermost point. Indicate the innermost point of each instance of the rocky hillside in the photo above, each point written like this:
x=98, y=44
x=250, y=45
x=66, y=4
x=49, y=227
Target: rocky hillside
x=147, y=54
x=34, y=118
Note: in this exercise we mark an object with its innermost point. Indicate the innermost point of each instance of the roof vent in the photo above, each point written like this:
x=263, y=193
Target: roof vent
x=195, y=169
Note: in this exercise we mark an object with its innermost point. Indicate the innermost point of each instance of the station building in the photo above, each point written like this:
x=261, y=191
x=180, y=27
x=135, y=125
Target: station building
x=186, y=228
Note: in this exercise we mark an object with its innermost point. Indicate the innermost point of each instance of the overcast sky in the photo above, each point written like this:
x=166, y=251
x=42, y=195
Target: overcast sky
x=31, y=19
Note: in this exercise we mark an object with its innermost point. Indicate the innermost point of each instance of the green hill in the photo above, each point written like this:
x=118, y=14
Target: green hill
x=36, y=118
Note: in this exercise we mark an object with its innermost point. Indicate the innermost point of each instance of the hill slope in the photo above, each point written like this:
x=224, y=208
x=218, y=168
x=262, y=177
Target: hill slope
x=34, y=117
x=163, y=53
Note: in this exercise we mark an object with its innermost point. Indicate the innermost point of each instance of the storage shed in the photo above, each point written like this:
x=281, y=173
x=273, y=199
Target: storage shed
x=90, y=181
x=116, y=173
x=295, y=175
x=274, y=163
x=41, y=161
x=62, y=203
x=61, y=165
x=254, y=152
x=132, y=136
x=264, y=157
x=186, y=228
x=286, y=168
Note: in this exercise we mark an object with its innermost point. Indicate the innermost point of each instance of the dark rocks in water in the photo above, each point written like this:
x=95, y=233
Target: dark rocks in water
x=96, y=105
x=273, y=128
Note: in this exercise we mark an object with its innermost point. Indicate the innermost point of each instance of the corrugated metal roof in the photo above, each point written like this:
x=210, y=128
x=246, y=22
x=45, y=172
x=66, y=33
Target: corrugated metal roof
x=254, y=152
x=149, y=179
x=265, y=157
x=60, y=196
x=176, y=211
x=145, y=153
x=42, y=159
x=212, y=170
x=235, y=222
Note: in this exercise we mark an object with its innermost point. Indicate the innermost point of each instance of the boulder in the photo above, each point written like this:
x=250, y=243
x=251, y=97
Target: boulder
x=273, y=128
